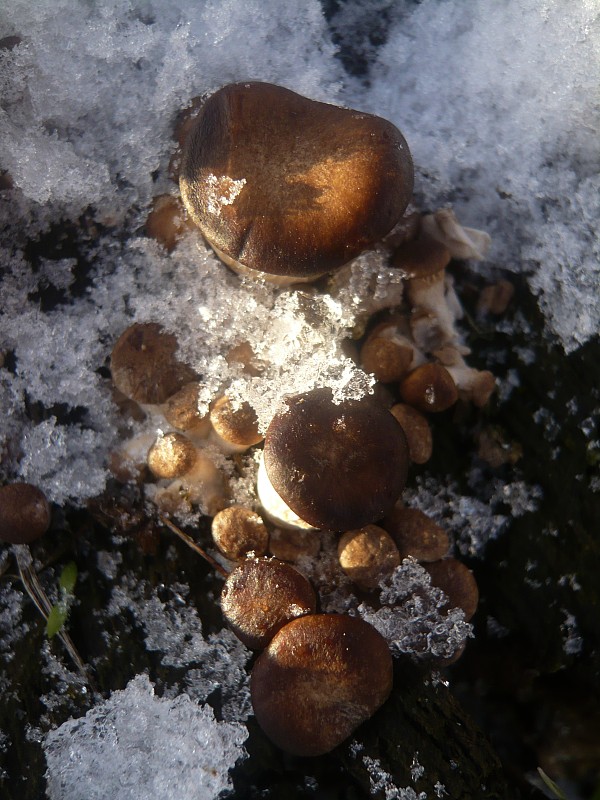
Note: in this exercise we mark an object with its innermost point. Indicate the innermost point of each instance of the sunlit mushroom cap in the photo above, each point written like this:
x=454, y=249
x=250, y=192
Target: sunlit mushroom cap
x=416, y=534
x=289, y=186
x=262, y=595
x=337, y=465
x=319, y=679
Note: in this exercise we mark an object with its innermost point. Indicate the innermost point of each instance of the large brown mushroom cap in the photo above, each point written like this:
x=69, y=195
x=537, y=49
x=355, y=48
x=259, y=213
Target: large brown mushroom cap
x=290, y=186
x=337, y=465
x=318, y=680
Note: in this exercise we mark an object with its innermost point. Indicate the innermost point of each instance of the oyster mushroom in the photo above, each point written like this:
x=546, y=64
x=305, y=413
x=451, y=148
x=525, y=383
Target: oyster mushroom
x=289, y=187
x=320, y=677
x=336, y=465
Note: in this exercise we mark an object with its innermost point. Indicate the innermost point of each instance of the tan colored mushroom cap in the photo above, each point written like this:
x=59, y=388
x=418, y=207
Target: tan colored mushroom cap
x=319, y=679
x=368, y=555
x=166, y=221
x=238, y=531
x=417, y=432
x=171, y=456
x=236, y=426
x=416, y=534
x=429, y=388
x=289, y=186
x=262, y=595
x=24, y=513
x=144, y=365
x=181, y=410
x=457, y=581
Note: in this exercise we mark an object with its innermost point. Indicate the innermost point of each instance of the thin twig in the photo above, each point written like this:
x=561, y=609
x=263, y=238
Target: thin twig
x=191, y=543
x=34, y=589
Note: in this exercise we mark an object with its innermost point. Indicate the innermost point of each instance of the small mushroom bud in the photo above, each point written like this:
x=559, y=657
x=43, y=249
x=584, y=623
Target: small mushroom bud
x=288, y=186
x=24, y=513
x=238, y=531
x=417, y=432
x=319, y=679
x=416, y=535
x=368, y=555
x=171, y=456
x=496, y=298
x=337, y=465
x=166, y=221
x=181, y=411
x=457, y=582
x=144, y=366
x=388, y=353
x=429, y=388
x=234, y=429
x=262, y=595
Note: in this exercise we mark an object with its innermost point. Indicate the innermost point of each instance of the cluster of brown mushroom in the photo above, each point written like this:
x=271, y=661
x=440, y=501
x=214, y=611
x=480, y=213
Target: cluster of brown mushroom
x=338, y=183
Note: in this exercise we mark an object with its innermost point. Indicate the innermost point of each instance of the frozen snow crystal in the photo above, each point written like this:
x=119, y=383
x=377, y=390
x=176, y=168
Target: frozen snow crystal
x=136, y=746
x=410, y=617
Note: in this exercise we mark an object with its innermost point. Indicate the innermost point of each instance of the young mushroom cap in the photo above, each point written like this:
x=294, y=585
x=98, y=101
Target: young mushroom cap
x=368, y=555
x=238, y=531
x=235, y=428
x=171, y=456
x=417, y=432
x=144, y=366
x=319, y=679
x=290, y=186
x=456, y=581
x=429, y=388
x=416, y=534
x=181, y=410
x=262, y=595
x=337, y=465
x=24, y=513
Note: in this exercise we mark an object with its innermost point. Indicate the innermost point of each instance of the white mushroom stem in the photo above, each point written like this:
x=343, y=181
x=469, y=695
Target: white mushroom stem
x=274, y=507
x=428, y=300
x=474, y=385
x=461, y=242
x=204, y=486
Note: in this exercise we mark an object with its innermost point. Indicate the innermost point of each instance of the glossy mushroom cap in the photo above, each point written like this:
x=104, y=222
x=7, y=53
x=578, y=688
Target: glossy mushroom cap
x=337, y=465
x=24, y=513
x=429, y=388
x=237, y=531
x=171, y=456
x=289, y=186
x=261, y=596
x=319, y=679
x=368, y=555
